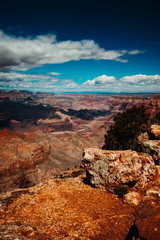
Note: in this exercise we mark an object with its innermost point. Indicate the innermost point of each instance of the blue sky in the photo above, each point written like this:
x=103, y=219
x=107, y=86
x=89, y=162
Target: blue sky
x=80, y=46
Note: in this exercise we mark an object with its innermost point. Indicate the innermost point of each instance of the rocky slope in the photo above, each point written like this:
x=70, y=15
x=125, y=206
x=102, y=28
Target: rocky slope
x=64, y=209
x=133, y=177
x=69, y=208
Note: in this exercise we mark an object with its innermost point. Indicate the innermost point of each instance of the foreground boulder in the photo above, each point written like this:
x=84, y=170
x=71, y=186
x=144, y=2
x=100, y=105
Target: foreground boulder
x=64, y=209
x=113, y=168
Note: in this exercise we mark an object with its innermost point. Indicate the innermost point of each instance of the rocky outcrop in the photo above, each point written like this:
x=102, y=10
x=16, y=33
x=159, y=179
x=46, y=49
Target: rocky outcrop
x=113, y=168
x=155, y=131
x=150, y=144
x=64, y=209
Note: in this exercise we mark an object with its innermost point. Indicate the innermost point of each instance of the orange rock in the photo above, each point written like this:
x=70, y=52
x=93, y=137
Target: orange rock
x=155, y=131
x=148, y=216
x=66, y=209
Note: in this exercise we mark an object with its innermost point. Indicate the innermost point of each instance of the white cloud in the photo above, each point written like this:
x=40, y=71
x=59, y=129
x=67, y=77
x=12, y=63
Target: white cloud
x=54, y=73
x=101, y=80
x=103, y=83
x=134, y=83
x=12, y=76
x=33, y=82
x=136, y=51
x=141, y=79
x=72, y=85
x=22, y=53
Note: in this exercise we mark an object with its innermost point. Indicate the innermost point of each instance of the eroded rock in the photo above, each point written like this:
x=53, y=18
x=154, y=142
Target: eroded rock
x=112, y=168
x=151, y=147
x=132, y=198
x=155, y=131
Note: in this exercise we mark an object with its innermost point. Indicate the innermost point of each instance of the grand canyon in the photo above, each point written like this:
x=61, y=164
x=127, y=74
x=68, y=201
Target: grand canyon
x=44, y=190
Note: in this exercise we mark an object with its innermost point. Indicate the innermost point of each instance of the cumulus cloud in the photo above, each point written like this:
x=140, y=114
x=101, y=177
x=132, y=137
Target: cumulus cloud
x=141, y=79
x=134, y=83
x=101, y=80
x=103, y=83
x=22, y=53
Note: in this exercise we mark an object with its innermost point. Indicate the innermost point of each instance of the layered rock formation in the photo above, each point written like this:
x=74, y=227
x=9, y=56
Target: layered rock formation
x=32, y=157
x=113, y=168
x=19, y=155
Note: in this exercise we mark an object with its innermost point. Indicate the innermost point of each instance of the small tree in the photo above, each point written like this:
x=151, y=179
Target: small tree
x=127, y=126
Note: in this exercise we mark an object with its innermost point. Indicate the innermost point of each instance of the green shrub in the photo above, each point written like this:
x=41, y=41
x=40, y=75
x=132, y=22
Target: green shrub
x=127, y=126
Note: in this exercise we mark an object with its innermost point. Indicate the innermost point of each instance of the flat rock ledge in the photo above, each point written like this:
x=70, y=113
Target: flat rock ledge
x=110, y=169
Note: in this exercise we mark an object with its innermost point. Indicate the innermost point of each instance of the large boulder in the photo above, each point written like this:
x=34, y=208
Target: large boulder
x=113, y=168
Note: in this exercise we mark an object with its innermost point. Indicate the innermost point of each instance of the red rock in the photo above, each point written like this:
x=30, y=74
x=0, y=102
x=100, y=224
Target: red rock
x=65, y=209
x=148, y=218
x=17, y=156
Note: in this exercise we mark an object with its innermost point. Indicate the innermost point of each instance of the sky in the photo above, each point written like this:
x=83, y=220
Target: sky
x=80, y=46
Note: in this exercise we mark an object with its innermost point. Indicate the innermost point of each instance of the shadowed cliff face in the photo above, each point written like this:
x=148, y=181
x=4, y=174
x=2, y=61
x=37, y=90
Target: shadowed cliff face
x=24, y=111
x=28, y=108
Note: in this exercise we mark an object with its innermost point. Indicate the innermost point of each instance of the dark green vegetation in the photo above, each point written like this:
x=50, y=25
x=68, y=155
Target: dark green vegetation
x=156, y=119
x=127, y=126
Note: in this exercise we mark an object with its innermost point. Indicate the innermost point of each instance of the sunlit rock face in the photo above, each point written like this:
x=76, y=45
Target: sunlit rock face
x=132, y=198
x=150, y=142
x=112, y=168
x=64, y=210
x=155, y=131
